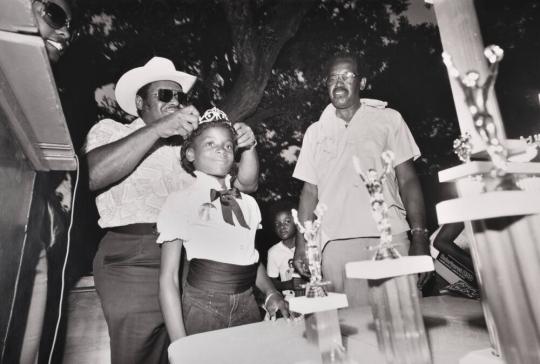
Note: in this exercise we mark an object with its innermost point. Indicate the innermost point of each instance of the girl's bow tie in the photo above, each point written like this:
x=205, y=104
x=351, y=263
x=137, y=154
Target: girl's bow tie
x=229, y=205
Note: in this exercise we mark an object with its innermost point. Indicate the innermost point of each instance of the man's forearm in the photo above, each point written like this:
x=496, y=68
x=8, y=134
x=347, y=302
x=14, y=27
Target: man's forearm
x=411, y=194
x=413, y=201
x=309, y=197
x=414, y=205
x=248, y=171
x=110, y=163
x=306, y=207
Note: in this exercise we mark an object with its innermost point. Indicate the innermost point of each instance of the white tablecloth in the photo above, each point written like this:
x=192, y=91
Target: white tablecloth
x=455, y=326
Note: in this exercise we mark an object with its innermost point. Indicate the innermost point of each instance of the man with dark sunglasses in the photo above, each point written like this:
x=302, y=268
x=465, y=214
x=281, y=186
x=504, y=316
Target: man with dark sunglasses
x=53, y=19
x=50, y=206
x=134, y=167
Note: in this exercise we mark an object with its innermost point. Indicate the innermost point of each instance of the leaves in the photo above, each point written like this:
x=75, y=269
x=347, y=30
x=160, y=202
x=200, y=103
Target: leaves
x=263, y=62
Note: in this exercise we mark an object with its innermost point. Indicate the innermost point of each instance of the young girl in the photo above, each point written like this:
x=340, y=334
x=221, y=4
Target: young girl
x=216, y=224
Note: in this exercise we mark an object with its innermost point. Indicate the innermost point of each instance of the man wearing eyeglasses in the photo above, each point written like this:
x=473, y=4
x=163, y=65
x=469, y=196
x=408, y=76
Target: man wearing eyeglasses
x=134, y=167
x=351, y=126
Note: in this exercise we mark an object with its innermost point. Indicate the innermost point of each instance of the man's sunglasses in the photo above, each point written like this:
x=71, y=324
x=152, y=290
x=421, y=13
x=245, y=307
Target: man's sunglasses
x=54, y=15
x=166, y=95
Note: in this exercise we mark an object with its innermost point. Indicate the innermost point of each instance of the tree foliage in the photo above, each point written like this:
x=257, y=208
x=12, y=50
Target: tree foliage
x=263, y=62
x=515, y=26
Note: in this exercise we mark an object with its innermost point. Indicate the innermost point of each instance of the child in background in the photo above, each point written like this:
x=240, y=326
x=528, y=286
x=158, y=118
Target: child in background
x=216, y=224
x=280, y=256
x=454, y=266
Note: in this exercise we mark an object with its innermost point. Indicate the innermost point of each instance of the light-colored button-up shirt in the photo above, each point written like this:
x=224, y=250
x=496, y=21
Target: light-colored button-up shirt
x=326, y=161
x=191, y=216
x=138, y=197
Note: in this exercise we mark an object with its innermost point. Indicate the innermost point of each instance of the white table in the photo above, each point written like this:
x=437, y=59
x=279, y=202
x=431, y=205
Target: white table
x=455, y=326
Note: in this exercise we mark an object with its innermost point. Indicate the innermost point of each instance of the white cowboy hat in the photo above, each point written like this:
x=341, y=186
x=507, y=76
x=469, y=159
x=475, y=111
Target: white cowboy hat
x=156, y=69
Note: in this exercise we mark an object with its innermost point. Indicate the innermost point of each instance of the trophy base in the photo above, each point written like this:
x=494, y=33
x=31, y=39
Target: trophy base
x=518, y=151
x=322, y=322
x=307, y=305
x=484, y=356
x=316, y=290
x=389, y=268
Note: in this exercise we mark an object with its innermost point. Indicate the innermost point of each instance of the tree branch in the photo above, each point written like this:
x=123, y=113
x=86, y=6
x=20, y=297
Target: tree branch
x=257, y=51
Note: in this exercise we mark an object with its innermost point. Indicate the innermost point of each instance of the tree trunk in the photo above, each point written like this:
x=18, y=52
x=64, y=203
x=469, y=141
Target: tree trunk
x=256, y=49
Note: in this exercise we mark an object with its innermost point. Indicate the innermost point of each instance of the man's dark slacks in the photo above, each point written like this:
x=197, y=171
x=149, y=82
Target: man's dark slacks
x=126, y=272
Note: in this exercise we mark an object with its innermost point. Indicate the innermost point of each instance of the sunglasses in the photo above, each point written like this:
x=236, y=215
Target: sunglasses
x=54, y=15
x=166, y=95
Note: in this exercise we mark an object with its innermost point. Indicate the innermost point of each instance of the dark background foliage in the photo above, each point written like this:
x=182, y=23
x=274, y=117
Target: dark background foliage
x=262, y=61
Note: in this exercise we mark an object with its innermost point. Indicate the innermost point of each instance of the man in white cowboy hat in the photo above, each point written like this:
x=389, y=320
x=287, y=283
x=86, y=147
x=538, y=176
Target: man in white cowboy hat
x=134, y=167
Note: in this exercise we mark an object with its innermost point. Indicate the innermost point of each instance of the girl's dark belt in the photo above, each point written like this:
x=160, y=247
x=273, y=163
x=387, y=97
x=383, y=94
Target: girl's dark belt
x=220, y=277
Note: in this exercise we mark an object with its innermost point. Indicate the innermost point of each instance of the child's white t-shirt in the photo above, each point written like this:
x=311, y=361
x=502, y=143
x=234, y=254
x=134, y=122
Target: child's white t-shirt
x=191, y=216
x=280, y=262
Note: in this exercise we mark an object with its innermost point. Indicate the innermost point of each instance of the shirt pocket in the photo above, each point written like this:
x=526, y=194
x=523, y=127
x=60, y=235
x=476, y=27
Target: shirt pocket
x=327, y=149
x=368, y=151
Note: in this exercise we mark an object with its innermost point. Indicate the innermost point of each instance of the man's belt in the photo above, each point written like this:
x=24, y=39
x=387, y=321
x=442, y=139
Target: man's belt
x=135, y=229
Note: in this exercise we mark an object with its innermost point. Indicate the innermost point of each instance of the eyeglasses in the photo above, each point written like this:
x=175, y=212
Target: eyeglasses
x=54, y=15
x=166, y=95
x=345, y=77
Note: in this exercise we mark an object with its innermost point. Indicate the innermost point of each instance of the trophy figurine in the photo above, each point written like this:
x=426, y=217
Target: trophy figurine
x=393, y=295
x=476, y=95
x=312, y=233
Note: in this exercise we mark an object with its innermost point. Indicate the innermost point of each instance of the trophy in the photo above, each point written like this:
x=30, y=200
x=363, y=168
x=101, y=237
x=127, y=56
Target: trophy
x=319, y=306
x=312, y=233
x=393, y=294
x=499, y=203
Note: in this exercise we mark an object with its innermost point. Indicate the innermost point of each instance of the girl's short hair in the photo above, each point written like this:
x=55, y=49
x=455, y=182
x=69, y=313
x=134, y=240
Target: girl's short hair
x=188, y=143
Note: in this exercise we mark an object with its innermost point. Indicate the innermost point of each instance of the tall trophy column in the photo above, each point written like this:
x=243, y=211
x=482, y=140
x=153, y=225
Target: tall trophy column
x=501, y=200
x=393, y=295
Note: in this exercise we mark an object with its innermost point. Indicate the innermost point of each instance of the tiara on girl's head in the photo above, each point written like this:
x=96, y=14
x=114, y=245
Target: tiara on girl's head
x=214, y=114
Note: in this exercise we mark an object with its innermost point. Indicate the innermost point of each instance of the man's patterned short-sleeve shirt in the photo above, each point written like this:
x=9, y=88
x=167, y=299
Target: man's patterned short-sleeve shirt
x=138, y=198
